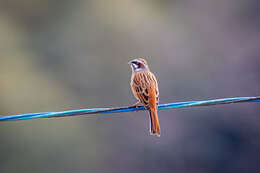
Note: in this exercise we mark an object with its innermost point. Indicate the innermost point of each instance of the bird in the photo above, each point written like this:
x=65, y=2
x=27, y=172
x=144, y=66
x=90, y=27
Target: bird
x=144, y=86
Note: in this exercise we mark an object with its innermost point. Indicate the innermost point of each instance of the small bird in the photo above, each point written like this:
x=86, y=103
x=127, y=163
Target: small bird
x=145, y=88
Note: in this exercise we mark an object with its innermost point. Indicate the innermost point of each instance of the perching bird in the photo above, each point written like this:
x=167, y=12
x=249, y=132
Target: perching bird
x=145, y=88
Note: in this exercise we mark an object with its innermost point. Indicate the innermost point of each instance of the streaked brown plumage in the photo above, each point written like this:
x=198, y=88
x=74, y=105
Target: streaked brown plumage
x=145, y=88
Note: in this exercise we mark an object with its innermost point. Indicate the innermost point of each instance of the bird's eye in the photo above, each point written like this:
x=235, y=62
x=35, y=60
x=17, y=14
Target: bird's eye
x=136, y=63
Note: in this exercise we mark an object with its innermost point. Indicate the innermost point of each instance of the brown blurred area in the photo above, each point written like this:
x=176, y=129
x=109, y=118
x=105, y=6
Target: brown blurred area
x=59, y=55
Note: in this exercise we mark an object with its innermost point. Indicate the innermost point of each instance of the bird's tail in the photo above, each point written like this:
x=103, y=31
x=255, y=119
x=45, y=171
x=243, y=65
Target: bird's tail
x=155, y=127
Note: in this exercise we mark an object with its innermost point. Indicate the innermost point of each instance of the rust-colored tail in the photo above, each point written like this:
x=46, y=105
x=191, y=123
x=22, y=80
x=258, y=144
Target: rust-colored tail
x=155, y=127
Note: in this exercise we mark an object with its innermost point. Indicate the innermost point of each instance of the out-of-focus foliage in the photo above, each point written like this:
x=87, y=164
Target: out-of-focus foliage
x=58, y=55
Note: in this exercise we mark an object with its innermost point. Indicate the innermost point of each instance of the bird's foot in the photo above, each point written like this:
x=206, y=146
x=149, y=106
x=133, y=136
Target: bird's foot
x=136, y=105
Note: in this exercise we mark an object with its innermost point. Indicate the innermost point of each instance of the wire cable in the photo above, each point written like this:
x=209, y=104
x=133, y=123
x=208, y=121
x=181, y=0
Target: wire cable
x=128, y=108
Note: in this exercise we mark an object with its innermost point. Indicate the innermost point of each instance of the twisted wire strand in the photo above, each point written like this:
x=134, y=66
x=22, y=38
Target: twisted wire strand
x=128, y=108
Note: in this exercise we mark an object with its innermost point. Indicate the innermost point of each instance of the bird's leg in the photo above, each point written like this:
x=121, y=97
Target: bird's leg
x=136, y=104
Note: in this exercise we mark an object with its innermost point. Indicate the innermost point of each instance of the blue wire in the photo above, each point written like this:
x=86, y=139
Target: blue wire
x=128, y=109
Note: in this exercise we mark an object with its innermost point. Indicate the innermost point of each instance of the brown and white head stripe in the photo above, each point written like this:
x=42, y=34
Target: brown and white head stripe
x=138, y=65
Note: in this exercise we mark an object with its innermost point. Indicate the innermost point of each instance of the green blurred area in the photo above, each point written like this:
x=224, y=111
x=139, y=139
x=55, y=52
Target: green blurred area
x=60, y=55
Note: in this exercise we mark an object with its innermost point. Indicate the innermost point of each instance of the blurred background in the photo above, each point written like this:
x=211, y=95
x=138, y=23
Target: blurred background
x=58, y=55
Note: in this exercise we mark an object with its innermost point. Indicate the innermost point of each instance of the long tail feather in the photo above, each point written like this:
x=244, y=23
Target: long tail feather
x=155, y=127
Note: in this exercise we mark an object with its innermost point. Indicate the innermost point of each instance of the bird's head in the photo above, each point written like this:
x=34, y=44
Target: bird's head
x=138, y=65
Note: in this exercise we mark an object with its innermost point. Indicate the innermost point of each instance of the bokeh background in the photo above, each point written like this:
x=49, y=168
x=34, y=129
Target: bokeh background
x=59, y=55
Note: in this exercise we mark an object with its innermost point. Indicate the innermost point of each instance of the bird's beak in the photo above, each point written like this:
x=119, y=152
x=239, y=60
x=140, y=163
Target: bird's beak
x=130, y=62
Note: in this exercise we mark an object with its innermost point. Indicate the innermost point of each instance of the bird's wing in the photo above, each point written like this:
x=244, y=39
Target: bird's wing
x=141, y=84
